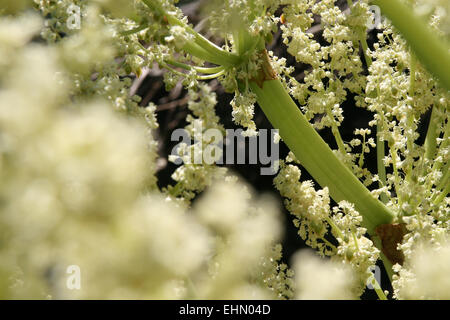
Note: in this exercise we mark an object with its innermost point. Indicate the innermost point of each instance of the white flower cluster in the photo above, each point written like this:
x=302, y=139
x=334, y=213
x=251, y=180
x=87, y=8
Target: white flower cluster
x=314, y=219
x=399, y=92
x=193, y=177
x=310, y=207
x=78, y=159
x=354, y=247
x=337, y=64
x=79, y=186
x=425, y=274
x=355, y=160
x=335, y=69
x=54, y=184
x=320, y=279
x=256, y=16
x=436, y=10
x=243, y=109
x=239, y=226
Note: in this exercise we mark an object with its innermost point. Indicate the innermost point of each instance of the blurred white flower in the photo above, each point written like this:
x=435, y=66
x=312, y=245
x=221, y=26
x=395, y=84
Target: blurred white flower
x=426, y=274
x=320, y=279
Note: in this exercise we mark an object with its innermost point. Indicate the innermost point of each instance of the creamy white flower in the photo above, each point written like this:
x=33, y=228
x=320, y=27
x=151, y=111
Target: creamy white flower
x=320, y=279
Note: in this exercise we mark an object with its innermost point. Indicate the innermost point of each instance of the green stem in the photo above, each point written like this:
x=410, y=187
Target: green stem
x=361, y=156
x=443, y=193
x=444, y=180
x=380, y=143
x=336, y=133
x=218, y=55
x=328, y=243
x=211, y=76
x=437, y=165
x=165, y=65
x=135, y=30
x=376, y=285
x=431, y=138
x=197, y=51
x=378, y=290
x=335, y=228
x=196, y=68
x=316, y=156
x=410, y=116
x=226, y=58
x=365, y=48
x=429, y=48
x=394, y=155
x=380, y=162
x=387, y=264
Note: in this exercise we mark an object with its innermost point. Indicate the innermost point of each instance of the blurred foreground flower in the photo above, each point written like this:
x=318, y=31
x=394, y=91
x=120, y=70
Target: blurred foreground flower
x=320, y=279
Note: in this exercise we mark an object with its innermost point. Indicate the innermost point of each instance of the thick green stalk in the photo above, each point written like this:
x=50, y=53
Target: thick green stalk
x=431, y=50
x=316, y=156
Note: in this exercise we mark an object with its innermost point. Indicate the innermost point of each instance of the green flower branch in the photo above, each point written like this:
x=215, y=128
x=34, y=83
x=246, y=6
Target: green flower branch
x=316, y=156
x=201, y=47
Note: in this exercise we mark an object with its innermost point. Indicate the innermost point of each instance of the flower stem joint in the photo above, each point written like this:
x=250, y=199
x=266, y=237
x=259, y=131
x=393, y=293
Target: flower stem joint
x=391, y=235
x=266, y=72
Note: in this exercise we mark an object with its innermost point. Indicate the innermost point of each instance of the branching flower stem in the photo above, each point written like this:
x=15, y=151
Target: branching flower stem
x=201, y=47
x=316, y=156
x=184, y=66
